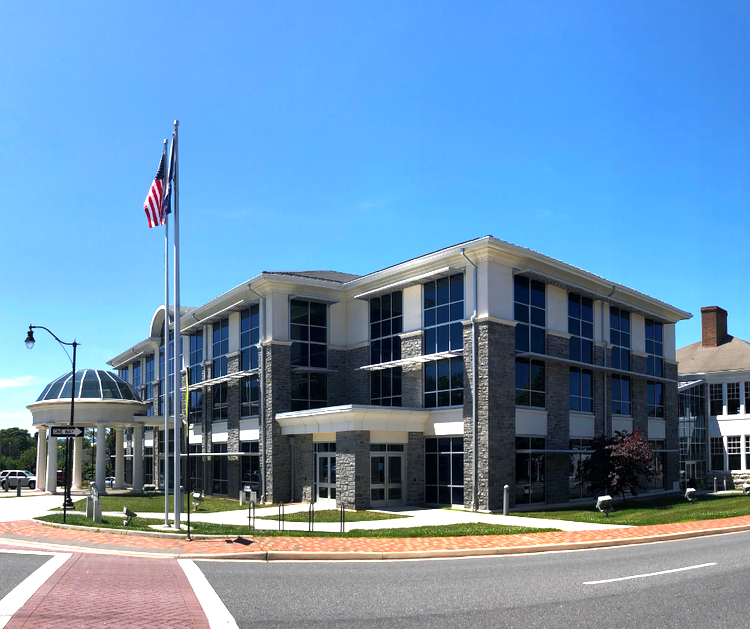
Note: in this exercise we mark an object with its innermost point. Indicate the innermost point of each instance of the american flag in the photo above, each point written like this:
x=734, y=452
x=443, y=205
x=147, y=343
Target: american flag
x=153, y=203
x=167, y=204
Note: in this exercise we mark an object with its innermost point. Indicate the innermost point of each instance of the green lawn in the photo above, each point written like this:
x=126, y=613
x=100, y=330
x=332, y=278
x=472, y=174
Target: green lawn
x=663, y=510
x=202, y=528
x=148, y=503
x=332, y=515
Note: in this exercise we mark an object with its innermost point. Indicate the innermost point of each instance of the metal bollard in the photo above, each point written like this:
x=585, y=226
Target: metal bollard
x=281, y=516
x=342, y=518
x=18, y=489
x=311, y=516
x=506, y=499
x=714, y=484
x=251, y=515
x=725, y=483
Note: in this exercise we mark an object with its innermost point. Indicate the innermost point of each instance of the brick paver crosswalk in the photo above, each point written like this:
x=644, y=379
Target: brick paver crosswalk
x=92, y=590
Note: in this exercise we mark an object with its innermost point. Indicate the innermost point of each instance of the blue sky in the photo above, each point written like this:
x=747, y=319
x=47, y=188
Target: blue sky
x=352, y=136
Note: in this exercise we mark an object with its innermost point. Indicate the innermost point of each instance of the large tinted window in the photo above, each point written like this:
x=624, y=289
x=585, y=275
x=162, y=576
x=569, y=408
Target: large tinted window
x=220, y=347
x=530, y=383
x=309, y=390
x=529, y=310
x=309, y=332
x=581, y=328
x=581, y=390
x=249, y=397
x=654, y=348
x=443, y=314
x=619, y=337
x=249, y=337
x=386, y=324
x=444, y=382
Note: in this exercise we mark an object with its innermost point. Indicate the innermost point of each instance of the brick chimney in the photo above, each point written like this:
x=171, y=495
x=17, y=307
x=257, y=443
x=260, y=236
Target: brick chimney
x=714, y=323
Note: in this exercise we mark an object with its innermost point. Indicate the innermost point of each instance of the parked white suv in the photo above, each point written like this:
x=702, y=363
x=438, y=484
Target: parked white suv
x=9, y=479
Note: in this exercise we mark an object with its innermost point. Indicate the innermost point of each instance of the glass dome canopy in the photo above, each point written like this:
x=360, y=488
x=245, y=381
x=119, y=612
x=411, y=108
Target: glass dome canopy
x=94, y=384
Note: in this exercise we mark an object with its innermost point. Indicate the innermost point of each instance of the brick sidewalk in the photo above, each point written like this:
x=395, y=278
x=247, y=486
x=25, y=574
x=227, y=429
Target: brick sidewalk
x=36, y=534
x=96, y=591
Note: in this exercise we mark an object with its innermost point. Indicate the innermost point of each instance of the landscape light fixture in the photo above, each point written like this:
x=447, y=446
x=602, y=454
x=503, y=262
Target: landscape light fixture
x=691, y=494
x=604, y=504
x=67, y=501
x=129, y=515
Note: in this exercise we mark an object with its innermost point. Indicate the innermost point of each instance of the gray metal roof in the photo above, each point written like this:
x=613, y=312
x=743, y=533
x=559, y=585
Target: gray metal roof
x=732, y=354
x=329, y=276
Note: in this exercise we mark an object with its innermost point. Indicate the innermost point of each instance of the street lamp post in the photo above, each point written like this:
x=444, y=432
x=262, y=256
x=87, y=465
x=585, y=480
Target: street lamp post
x=67, y=501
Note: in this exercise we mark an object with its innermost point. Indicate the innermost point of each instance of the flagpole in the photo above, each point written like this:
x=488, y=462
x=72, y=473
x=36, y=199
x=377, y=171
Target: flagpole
x=177, y=372
x=188, y=470
x=165, y=378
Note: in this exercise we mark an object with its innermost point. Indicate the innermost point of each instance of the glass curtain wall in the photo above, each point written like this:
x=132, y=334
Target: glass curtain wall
x=692, y=413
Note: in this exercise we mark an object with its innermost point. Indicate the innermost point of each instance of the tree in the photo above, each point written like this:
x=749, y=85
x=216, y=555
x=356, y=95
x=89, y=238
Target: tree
x=618, y=464
x=14, y=443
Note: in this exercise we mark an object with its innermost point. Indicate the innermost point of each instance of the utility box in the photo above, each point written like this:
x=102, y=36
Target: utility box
x=247, y=494
x=94, y=509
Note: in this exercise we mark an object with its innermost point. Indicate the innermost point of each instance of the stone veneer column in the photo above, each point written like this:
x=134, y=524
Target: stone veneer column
x=277, y=374
x=347, y=385
x=353, y=469
x=411, y=375
x=414, y=474
x=558, y=419
x=671, y=415
x=233, y=426
x=41, y=458
x=496, y=413
x=303, y=466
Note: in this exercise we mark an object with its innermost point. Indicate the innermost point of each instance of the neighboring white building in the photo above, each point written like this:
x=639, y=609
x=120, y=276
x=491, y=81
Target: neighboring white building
x=714, y=392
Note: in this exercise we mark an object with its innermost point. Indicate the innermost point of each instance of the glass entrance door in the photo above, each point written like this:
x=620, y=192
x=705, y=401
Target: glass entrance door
x=325, y=471
x=386, y=475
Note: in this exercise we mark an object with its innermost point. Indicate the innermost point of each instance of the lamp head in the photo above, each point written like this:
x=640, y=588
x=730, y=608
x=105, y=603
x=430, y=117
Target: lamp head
x=30, y=338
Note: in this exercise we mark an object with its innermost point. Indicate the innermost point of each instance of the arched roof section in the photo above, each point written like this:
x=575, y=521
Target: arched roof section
x=157, y=321
x=95, y=384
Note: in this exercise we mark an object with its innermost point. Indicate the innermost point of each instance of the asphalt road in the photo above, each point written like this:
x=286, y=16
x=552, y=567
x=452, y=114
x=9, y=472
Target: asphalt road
x=546, y=590
x=15, y=567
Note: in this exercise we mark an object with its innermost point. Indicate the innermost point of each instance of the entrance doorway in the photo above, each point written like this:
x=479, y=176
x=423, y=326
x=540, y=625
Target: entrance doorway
x=386, y=475
x=325, y=471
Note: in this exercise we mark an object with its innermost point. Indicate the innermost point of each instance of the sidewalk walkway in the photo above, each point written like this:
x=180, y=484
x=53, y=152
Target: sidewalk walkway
x=32, y=534
x=416, y=517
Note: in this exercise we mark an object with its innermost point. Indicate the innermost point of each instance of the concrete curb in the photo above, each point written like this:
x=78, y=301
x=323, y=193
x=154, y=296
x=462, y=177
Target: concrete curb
x=457, y=553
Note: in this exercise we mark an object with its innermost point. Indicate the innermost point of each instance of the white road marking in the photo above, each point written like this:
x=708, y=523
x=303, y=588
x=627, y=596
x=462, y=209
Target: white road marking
x=649, y=574
x=216, y=612
x=17, y=597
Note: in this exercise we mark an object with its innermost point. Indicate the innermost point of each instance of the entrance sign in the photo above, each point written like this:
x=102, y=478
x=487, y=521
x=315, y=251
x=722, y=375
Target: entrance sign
x=66, y=431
